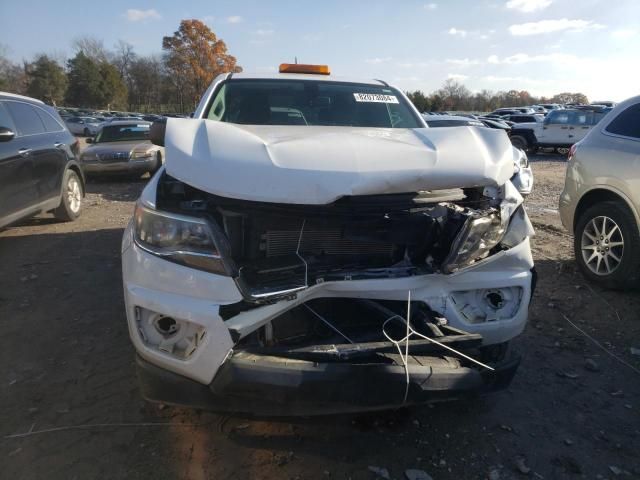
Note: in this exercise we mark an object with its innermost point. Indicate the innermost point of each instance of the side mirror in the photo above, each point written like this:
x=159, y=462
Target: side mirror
x=89, y=140
x=156, y=132
x=6, y=134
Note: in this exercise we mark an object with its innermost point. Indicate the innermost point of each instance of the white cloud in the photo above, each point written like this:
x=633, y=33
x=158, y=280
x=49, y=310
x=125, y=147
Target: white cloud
x=520, y=58
x=208, y=18
x=263, y=33
x=135, y=15
x=377, y=60
x=431, y=6
x=462, y=62
x=514, y=81
x=624, y=33
x=517, y=59
x=528, y=6
x=549, y=26
x=457, y=76
x=234, y=19
x=457, y=31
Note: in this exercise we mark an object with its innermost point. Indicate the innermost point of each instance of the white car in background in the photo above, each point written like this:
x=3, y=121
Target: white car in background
x=87, y=126
x=312, y=247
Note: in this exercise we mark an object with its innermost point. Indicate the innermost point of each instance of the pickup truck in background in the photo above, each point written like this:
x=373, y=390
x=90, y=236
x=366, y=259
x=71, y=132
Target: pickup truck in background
x=559, y=130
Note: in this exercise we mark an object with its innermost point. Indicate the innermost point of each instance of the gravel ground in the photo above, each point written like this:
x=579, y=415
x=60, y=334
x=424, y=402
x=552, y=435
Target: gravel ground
x=66, y=361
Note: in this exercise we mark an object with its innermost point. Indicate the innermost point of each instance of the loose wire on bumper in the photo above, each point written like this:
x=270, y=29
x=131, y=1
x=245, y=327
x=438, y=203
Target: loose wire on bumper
x=410, y=332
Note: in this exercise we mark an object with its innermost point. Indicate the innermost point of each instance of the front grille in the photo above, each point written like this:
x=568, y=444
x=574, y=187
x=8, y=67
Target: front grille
x=320, y=242
x=114, y=157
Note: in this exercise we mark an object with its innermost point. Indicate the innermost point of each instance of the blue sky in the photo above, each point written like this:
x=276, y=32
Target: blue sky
x=544, y=46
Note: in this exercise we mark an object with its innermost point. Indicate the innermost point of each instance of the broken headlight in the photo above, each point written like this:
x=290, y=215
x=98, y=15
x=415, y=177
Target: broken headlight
x=477, y=237
x=181, y=239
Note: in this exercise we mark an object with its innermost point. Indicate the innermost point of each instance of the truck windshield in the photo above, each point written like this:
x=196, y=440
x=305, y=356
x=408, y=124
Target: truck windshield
x=309, y=102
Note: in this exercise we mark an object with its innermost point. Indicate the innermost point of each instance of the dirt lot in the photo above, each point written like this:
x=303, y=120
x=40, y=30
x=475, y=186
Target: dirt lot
x=66, y=362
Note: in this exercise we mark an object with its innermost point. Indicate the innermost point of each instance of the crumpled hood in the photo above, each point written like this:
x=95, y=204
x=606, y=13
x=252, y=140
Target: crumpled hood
x=318, y=165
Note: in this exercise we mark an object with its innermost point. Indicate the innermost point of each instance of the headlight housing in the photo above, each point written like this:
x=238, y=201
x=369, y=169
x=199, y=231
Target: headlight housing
x=478, y=236
x=189, y=241
x=140, y=155
x=89, y=157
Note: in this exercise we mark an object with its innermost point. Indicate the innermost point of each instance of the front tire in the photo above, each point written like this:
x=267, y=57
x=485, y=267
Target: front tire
x=607, y=246
x=71, y=201
x=520, y=142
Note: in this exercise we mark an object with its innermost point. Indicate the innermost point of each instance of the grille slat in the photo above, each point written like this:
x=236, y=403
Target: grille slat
x=114, y=156
x=328, y=242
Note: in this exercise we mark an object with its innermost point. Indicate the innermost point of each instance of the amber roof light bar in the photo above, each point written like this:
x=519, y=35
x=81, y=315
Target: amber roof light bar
x=302, y=68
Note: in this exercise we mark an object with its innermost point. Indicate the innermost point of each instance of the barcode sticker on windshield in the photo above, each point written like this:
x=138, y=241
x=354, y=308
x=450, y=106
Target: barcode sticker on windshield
x=375, y=98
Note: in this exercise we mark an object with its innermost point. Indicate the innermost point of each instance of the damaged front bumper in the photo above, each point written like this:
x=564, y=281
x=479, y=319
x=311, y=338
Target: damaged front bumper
x=221, y=376
x=258, y=385
x=211, y=335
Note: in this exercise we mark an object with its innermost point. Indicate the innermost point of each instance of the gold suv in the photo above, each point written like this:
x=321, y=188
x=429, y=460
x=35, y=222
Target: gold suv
x=600, y=202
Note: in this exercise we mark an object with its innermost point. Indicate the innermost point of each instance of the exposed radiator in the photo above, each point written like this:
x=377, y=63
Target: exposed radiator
x=318, y=242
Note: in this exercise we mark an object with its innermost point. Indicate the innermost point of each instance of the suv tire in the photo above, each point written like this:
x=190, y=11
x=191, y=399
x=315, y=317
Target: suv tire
x=520, y=142
x=607, y=234
x=71, y=201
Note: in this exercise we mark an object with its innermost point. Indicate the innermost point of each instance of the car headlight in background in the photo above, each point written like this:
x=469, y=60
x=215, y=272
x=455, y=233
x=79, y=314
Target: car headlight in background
x=89, y=157
x=181, y=239
x=474, y=241
x=142, y=155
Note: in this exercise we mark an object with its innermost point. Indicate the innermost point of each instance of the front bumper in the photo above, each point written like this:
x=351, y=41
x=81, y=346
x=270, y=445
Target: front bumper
x=131, y=166
x=153, y=284
x=258, y=385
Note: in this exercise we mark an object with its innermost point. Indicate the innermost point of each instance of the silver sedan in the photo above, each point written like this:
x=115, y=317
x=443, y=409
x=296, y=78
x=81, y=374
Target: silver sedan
x=122, y=147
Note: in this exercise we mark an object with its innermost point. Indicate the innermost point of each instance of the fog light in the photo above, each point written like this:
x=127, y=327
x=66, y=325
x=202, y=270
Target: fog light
x=487, y=304
x=177, y=337
x=167, y=326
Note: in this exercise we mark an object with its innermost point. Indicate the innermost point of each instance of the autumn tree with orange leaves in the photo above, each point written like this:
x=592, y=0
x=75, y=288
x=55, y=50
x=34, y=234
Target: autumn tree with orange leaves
x=194, y=57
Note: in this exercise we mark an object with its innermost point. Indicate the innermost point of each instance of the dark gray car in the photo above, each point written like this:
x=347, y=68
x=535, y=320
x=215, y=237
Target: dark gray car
x=122, y=147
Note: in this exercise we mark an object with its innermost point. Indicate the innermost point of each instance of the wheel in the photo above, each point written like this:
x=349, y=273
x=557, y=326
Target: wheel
x=87, y=132
x=607, y=245
x=520, y=142
x=562, y=150
x=71, y=201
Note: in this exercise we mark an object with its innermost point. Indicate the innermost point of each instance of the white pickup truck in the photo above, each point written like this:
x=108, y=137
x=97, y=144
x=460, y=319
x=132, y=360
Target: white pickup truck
x=559, y=130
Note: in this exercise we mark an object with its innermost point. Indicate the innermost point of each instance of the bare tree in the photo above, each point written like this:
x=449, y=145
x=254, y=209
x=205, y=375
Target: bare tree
x=91, y=47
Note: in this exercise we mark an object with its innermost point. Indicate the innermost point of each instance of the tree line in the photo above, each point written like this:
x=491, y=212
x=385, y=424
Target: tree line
x=119, y=78
x=455, y=96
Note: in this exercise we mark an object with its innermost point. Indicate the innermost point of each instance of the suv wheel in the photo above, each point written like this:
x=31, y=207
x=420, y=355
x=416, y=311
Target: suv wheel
x=607, y=245
x=520, y=142
x=71, y=201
